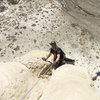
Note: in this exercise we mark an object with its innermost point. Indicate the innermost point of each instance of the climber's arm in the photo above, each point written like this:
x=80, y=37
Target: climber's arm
x=48, y=56
x=58, y=57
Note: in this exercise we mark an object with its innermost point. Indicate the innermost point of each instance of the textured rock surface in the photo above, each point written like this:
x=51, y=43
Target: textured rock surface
x=18, y=76
x=28, y=25
x=13, y=1
x=33, y=61
x=32, y=24
x=70, y=83
x=86, y=12
x=15, y=80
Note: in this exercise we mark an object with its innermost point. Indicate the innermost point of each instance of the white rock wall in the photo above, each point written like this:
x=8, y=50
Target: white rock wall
x=70, y=83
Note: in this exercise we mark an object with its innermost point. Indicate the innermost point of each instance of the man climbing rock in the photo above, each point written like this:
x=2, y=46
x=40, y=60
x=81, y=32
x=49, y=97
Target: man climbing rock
x=59, y=56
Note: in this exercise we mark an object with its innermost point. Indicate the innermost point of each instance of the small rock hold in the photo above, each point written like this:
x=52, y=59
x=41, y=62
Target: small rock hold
x=13, y=1
x=24, y=27
x=2, y=8
x=33, y=25
x=83, y=33
x=74, y=24
x=0, y=49
x=97, y=57
x=17, y=48
x=34, y=40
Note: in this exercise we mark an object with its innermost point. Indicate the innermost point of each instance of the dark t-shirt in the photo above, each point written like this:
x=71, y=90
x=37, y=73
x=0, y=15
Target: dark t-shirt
x=56, y=52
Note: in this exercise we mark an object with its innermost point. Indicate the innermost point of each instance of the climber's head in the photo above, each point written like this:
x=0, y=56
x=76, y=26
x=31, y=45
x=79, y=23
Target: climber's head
x=53, y=45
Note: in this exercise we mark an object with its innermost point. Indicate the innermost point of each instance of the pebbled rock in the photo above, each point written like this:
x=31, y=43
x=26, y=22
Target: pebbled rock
x=13, y=1
x=2, y=8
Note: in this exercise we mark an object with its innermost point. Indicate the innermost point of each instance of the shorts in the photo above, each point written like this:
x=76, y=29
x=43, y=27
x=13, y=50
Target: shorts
x=58, y=64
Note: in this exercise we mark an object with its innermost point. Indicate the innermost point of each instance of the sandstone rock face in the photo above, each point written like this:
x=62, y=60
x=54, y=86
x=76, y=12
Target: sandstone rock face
x=33, y=61
x=70, y=83
x=15, y=80
x=31, y=25
x=18, y=76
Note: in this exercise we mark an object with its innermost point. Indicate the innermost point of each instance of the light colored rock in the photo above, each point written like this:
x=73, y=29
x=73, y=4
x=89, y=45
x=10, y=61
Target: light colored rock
x=15, y=80
x=20, y=75
x=70, y=83
x=32, y=25
x=33, y=61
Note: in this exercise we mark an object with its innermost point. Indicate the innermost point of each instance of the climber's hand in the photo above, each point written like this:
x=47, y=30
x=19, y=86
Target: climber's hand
x=54, y=63
x=44, y=59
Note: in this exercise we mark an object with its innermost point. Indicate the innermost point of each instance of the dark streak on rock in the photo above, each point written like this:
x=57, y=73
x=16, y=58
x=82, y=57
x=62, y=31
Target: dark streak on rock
x=17, y=48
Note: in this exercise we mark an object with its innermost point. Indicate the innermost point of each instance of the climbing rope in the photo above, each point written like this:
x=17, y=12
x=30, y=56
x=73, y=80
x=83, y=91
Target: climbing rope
x=36, y=83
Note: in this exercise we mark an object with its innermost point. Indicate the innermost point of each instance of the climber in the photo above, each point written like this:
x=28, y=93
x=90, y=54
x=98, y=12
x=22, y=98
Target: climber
x=59, y=56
